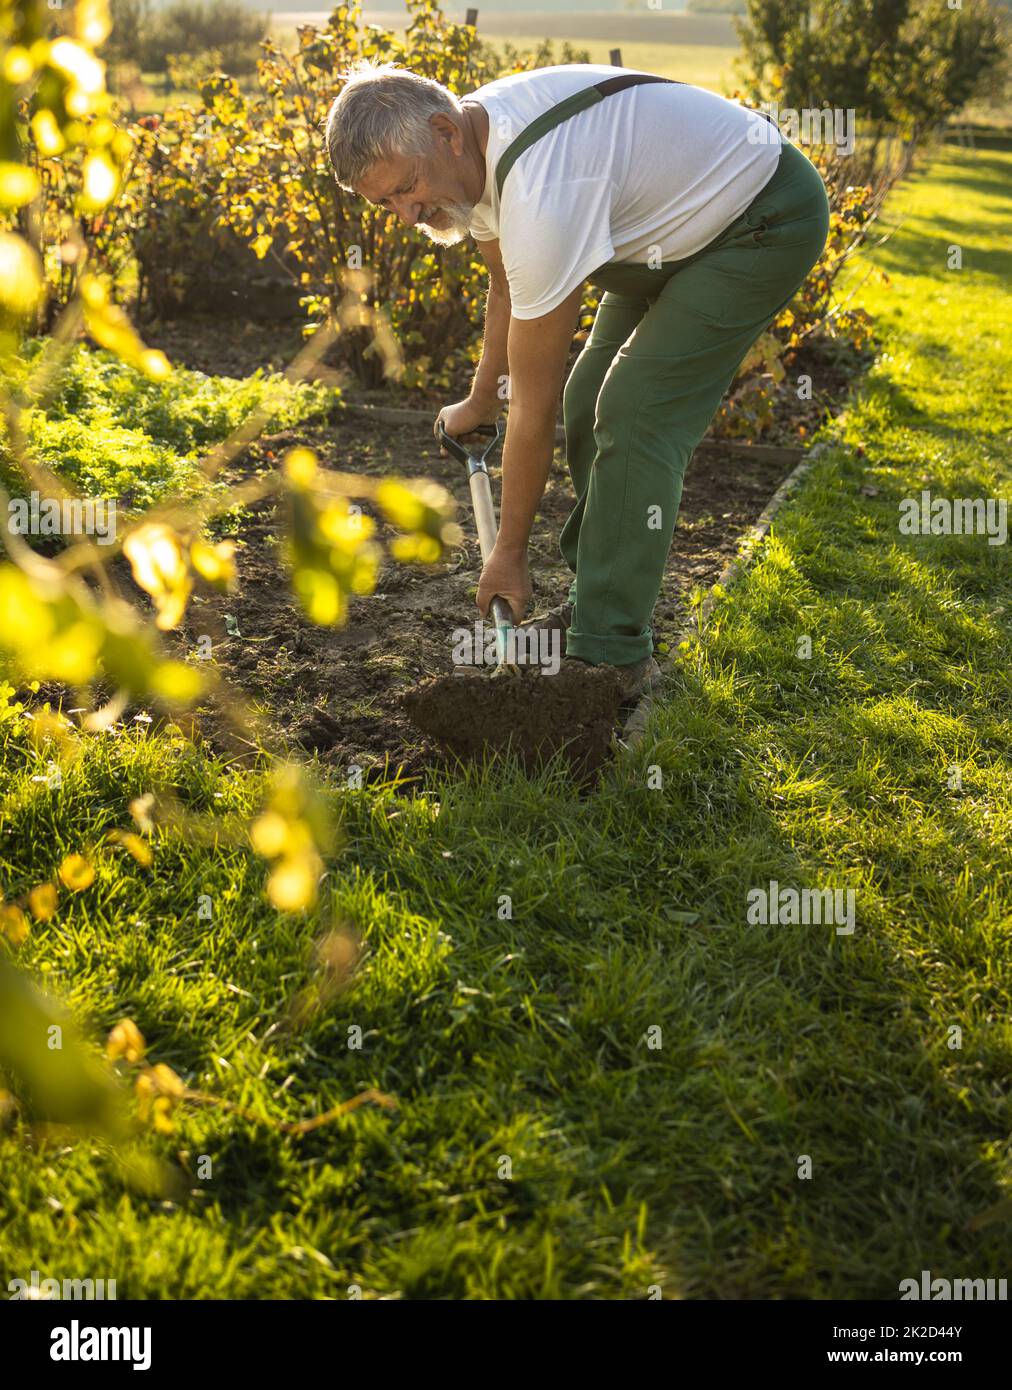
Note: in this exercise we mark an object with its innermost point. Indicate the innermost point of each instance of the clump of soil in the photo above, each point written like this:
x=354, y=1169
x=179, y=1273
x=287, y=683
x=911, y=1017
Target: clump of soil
x=530, y=712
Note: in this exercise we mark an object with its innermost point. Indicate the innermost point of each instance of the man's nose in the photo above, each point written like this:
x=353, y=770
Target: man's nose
x=408, y=210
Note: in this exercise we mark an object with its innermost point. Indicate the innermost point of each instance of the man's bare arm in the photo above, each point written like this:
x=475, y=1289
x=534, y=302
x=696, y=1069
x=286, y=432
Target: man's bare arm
x=537, y=350
x=487, y=398
x=493, y=369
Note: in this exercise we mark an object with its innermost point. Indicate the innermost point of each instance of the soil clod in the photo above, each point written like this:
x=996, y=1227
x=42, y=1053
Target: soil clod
x=531, y=714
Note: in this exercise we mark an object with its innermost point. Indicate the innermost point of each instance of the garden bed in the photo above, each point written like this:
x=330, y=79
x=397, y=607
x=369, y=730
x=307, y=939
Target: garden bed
x=235, y=347
x=337, y=692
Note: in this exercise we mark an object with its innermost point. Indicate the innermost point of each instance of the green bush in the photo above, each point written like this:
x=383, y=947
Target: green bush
x=256, y=167
x=910, y=63
x=109, y=431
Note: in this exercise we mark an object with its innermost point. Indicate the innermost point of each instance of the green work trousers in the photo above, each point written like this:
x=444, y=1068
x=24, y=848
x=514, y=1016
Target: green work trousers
x=664, y=349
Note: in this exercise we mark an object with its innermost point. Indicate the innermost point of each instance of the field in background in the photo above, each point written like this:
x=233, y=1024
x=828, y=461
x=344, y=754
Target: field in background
x=703, y=67
x=700, y=49
x=708, y=30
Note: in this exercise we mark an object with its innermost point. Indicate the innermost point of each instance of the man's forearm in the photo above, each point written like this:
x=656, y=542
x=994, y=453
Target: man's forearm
x=526, y=462
x=493, y=369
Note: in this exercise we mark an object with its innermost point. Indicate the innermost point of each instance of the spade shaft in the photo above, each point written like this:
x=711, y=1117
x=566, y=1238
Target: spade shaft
x=484, y=517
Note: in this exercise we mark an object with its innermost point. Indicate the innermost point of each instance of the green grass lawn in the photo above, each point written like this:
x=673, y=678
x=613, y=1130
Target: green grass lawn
x=616, y=1086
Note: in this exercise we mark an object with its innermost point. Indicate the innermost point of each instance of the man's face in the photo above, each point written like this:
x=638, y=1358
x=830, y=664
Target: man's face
x=423, y=193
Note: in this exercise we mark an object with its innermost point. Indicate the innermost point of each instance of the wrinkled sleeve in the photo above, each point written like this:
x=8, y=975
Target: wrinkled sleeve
x=480, y=229
x=552, y=238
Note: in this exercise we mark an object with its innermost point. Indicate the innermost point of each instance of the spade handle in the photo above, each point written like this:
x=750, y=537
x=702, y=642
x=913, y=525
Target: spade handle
x=482, y=504
x=484, y=516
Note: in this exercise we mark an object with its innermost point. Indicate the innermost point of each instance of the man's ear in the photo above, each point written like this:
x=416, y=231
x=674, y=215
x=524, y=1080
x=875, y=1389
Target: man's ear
x=448, y=131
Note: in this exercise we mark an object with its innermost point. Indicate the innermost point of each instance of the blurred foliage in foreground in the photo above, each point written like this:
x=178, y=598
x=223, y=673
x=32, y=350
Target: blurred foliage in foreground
x=62, y=618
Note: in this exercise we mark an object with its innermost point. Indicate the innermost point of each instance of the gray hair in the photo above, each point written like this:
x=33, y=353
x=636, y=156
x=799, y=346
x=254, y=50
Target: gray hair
x=382, y=110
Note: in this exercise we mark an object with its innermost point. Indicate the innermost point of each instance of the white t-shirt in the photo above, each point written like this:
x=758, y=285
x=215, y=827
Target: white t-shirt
x=662, y=165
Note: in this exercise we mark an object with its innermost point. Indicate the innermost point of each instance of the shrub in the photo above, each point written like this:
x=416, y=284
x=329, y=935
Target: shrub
x=150, y=38
x=256, y=166
x=908, y=62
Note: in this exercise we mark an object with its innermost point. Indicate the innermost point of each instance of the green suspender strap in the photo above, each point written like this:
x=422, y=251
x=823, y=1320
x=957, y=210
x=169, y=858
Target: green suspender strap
x=562, y=111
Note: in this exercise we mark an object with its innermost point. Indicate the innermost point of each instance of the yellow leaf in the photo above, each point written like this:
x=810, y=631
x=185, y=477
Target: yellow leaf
x=158, y=1089
x=72, y=655
x=168, y=1083
x=300, y=467
x=133, y=844
x=48, y=136
x=140, y=808
x=154, y=364
x=42, y=901
x=125, y=1040
x=215, y=563
x=363, y=575
x=269, y=834
x=24, y=618
x=84, y=71
x=18, y=65
x=159, y=566
x=92, y=23
x=121, y=145
x=421, y=507
x=18, y=184
x=176, y=682
x=161, y=1116
x=292, y=885
x=13, y=924
x=321, y=596
x=99, y=178
x=20, y=275
x=344, y=527
x=422, y=549
x=76, y=873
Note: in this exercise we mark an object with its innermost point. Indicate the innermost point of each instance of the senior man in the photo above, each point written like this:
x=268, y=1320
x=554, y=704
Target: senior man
x=691, y=213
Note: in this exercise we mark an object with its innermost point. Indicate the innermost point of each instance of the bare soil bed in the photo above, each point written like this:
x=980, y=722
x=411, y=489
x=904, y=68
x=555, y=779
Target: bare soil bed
x=337, y=692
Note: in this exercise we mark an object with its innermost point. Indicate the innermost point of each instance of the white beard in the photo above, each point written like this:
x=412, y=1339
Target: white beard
x=460, y=215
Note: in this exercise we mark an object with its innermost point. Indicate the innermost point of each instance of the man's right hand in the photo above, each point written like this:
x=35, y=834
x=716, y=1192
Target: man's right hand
x=464, y=418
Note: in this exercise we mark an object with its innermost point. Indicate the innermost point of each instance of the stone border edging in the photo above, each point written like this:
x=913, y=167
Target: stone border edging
x=635, y=726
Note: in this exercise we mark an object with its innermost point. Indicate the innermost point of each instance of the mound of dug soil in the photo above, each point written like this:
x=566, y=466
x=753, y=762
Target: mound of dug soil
x=528, y=712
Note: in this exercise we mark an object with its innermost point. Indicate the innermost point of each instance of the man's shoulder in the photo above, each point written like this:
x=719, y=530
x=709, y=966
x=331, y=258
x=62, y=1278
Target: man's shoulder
x=560, y=79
